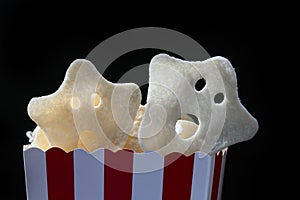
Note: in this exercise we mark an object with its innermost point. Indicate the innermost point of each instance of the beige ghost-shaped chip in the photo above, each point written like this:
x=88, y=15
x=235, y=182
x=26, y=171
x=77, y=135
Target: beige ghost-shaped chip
x=223, y=120
x=87, y=110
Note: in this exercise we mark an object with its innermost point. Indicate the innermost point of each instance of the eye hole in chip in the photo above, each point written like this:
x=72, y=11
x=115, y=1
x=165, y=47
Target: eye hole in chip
x=200, y=84
x=96, y=100
x=219, y=98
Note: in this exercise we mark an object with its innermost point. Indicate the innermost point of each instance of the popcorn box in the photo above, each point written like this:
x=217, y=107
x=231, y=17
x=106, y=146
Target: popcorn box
x=106, y=175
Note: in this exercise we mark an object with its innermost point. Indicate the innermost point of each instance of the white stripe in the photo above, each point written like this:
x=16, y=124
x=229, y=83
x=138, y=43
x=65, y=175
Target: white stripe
x=224, y=153
x=35, y=174
x=148, y=169
x=88, y=175
x=202, y=176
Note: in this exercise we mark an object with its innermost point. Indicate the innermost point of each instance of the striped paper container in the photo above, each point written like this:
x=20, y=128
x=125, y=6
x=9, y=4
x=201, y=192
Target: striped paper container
x=79, y=175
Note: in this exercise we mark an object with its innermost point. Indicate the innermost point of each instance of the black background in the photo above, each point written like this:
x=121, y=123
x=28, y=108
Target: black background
x=39, y=41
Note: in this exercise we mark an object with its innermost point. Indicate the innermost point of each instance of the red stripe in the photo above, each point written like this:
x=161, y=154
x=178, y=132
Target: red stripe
x=217, y=172
x=118, y=175
x=178, y=174
x=60, y=174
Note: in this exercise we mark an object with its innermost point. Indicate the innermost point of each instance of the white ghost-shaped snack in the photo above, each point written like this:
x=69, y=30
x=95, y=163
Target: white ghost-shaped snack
x=223, y=120
x=86, y=107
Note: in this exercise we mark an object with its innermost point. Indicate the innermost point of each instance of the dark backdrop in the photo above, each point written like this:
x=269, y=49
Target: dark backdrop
x=38, y=42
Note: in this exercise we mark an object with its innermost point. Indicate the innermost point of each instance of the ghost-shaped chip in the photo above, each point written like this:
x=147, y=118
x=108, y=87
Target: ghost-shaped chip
x=87, y=110
x=222, y=119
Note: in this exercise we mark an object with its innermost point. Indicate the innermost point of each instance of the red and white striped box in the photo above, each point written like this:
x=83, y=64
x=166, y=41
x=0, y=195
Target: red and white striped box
x=104, y=175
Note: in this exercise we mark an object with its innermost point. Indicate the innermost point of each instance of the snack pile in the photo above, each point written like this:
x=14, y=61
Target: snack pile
x=89, y=112
x=94, y=139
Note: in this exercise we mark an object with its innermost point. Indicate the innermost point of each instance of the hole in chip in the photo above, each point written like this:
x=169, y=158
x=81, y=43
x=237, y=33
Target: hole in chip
x=96, y=100
x=200, y=84
x=219, y=98
x=74, y=103
x=187, y=126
